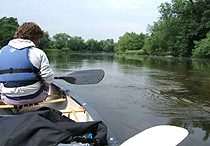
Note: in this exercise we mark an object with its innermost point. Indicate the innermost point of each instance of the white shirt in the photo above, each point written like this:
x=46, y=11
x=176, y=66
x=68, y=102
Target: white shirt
x=39, y=59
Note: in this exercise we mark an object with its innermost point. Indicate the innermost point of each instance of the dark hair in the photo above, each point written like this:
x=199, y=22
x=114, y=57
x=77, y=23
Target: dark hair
x=28, y=30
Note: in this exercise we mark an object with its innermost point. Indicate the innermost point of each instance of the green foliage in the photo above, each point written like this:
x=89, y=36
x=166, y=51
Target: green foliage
x=93, y=45
x=202, y=48
x=60, y=40
x=63, y=41
x=76, y=43
x=44, y=41
x=107, y=45
x=130, y=41
x=181, y=23
x=151, y=45
x=135, y=52
x=8, y=26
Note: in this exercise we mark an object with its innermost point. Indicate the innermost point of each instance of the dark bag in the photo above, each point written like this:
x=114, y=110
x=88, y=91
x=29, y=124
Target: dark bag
x=47, y=127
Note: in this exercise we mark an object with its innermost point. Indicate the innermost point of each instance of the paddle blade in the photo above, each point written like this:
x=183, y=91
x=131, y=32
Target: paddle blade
x=69, y=79
x=84, y=77
x=163, y=135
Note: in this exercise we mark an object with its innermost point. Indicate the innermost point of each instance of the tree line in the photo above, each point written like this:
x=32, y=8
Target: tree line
x=60, y=41
x=63, y=41
x=183, y=29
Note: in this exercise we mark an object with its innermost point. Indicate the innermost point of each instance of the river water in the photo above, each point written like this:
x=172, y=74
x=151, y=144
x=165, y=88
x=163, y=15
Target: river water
x=140, y=92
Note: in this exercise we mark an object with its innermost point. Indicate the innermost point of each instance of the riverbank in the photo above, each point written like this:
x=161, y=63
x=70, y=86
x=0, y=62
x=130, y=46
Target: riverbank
x=63, y=51
x=68, y=51
x=127, y=52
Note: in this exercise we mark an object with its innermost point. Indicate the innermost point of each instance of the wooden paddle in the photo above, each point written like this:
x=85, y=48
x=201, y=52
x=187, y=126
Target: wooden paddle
x=84, y=77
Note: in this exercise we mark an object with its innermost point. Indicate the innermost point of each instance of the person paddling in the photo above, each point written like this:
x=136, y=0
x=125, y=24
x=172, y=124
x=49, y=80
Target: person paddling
x=25, y=72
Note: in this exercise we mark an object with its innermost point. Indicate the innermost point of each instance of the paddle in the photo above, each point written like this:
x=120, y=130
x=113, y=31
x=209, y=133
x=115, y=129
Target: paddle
x=84, y=77
x=162, y=135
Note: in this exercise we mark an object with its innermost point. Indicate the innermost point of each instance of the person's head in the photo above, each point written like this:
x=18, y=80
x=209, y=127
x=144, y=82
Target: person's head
x=30, y=31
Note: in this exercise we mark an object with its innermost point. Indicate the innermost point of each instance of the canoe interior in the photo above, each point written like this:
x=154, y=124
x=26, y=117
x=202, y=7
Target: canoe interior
x=71, y=103
x=56, y=92
x=83, y=112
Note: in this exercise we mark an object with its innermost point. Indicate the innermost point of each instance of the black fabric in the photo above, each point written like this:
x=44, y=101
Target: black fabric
x=11, y=70
x=47, y=127
x=20, y=83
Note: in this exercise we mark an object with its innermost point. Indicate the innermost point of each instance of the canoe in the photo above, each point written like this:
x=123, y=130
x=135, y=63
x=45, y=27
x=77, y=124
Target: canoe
x=68, y=103
x=75, y=108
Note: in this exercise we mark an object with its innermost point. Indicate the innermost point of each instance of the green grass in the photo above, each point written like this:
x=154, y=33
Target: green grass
x=51, y=51
x=68, y=51
x=133, y=52
x=65, y=50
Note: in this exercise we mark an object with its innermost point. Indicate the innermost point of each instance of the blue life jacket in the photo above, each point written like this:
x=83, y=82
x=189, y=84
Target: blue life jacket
x=16, y=69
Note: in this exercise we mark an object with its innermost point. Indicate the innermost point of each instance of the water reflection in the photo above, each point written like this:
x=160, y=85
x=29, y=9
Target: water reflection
x=176, y=77
x=190, y=124
x=77, y=61
x=181, y=87
x=173, y=88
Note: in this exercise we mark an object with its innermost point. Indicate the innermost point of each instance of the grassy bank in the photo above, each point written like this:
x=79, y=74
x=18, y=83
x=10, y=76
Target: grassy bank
x=132, y=52
x=65, y=51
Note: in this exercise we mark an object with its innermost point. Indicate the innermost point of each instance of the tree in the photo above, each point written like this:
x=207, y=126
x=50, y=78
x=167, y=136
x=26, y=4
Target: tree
x=93, y=45
x=76, y=43
x=60, y=40
x=202, y=48
x=181, y=23
x=107, y=45
x=8, y=26
x=44, y=41
x=130, y=41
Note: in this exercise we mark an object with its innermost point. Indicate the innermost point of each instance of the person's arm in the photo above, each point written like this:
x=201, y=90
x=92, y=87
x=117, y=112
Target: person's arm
x=46, y=71
x=39, y=59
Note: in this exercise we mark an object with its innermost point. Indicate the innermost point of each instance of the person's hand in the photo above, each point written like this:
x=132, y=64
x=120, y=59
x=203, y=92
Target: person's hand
x=46, y=86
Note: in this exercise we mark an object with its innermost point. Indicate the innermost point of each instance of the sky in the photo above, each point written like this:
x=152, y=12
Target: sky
x=97, y=19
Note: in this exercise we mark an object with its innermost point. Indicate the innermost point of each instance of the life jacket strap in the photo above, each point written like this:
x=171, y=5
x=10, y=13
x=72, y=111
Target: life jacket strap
x=21, y=83
x=11, y=70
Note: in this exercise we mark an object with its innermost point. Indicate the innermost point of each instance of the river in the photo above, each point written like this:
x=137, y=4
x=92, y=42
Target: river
x=140, y=92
